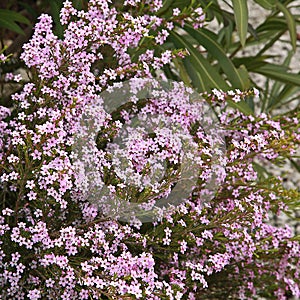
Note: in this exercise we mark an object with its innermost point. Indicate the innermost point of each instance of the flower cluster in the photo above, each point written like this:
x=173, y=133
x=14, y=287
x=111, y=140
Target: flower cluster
x=155, y=141
x=56, y=244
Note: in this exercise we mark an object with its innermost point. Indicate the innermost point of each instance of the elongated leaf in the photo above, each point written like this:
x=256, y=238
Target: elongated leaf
x=260, y=170
x=13, y=16
x=11, y=26
x=270, y=43
x=182, y=71
x=197, y=78
x=297, y=166
x=260, y=39
x=290, y=23
x=214, y=48
x=243, y=73
x=56, y=6
x=241, y=18
x=267, y=4
x=273, y=24
x=206, y=75
x=225, y=35
x=252, y=62
x=276, y=72
x=242, y=106
x=288, y=92
x=285, y=96
x=30, y=9
x=277, y=86
x=165, y=7
x=9, y=18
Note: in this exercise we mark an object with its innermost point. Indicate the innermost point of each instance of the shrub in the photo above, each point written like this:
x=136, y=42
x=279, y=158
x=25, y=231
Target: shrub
x=56, y=244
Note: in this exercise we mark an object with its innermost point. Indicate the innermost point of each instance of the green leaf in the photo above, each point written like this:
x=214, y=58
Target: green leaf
x=13, y=16
x=165, y=7
x=289, y=91
x=260, y=39
x=267, y=4
x=225, y=36
x=271, y=42
x=29, y=9
x=241, y=18
x=11, y=26
x=215, y=49
x=204, y=76
x=261, y=171
x=275, y=95
x=278, y=73
x=252, y=62
x=242, y=106
x=290, y=23
x=287, y=95
x=182, y=71
x=296, y=165
x=56, y=6
x=243, y=73
x=197, y=78
x=272, y=24
x=9, y=18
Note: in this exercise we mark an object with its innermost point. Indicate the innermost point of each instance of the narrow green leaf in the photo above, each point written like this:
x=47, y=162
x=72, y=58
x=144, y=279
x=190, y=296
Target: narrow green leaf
x=207, y=75
x=277, y=86
x=272, y=24
x=265, y=94
x=278, y=73
x=267, y=4
x=11, y=26
x=244, y=75
x=197, y=78
x=29, y=9
x=242, y=106
x=55, y=11
x=260, y=170
x=9, y=18
x=250, y=102
x=259, y=40
x=289, y=91
x=251, y=62
x=241, y=18
x=225, y=36
x=215, y=49
x=270, y=43
x=169, y=73
x=291, y=23
x=182, y=71
x=296, y=165
x=286, y=96
x=165, y=7
x=10, y=15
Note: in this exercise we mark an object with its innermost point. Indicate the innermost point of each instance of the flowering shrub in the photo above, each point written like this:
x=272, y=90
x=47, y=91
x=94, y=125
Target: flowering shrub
x=55, y=244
